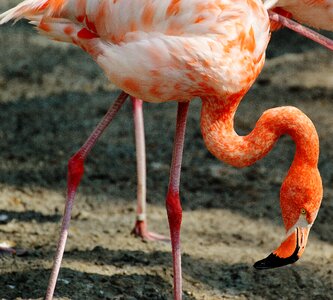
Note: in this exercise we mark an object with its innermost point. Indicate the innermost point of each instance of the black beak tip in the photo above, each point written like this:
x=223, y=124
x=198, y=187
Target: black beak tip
x=273, y=261
x=261, y=264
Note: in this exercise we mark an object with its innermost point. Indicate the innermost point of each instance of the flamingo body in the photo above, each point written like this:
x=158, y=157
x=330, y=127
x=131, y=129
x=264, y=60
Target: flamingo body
x=183, y=41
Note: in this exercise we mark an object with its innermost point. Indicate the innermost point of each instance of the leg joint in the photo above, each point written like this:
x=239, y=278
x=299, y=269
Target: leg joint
x=75, y=169
x=174, y=209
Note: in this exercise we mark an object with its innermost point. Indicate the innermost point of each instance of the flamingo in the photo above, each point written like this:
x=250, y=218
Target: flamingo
x=314, y=13
x=171, y=50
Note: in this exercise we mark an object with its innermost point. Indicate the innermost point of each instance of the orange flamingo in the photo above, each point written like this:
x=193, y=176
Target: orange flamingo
x=160, y=51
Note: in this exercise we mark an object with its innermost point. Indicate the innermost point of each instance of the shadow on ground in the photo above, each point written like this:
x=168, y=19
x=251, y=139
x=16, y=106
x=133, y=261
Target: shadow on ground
x=232, y=280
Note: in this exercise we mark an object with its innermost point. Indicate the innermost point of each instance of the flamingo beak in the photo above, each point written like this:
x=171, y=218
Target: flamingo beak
x=290, y=250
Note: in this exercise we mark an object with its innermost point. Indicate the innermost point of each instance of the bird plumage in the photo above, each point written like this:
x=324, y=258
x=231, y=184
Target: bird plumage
x=183, y=41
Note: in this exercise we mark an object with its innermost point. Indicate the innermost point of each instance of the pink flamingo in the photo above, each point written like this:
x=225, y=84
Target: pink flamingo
x=314, y=13
x=160, y=51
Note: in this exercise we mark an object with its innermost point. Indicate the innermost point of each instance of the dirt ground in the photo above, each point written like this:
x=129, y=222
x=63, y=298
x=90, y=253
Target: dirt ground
x=52, y=96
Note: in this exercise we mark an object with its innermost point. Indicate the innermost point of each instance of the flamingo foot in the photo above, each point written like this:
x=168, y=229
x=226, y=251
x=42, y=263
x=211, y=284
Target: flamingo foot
x=140, y=230
x=7, y=249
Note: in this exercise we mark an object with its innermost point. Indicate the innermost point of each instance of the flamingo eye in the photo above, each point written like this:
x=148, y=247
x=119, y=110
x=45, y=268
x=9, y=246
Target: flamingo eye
x=303, y=211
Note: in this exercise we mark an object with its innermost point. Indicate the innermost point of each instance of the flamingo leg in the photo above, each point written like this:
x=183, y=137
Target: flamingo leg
x=173, y=205
x=303, y=30
x=140, y=228
x=75, y=173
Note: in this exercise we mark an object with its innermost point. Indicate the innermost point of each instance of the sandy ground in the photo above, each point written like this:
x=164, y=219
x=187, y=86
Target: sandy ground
x=52, y=96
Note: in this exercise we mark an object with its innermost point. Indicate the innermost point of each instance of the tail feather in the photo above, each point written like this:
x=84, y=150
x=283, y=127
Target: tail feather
x=44, y=14
x=56, y=28
x=27, y=9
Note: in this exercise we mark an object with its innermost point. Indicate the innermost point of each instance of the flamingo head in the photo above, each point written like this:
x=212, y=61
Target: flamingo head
x=300, y=199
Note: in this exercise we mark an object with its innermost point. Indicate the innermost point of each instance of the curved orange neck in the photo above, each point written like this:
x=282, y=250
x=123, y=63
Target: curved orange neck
x=217, y=126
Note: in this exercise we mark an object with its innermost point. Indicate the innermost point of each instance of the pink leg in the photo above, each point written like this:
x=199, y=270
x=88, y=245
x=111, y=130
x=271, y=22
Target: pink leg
x=307, y=32
x=75, y=172
x=173, y=204
x=140, y=228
